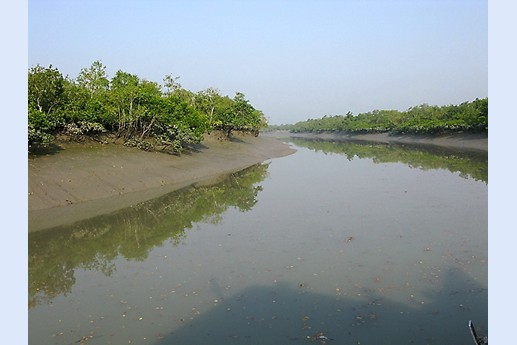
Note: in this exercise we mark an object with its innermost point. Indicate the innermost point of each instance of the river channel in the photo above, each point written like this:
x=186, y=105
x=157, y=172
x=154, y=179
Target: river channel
x=338, y=243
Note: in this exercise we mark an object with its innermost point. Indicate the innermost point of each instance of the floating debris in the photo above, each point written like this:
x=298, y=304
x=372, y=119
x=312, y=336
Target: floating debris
x=320, y=338
x=84, y=339
x=364, y=318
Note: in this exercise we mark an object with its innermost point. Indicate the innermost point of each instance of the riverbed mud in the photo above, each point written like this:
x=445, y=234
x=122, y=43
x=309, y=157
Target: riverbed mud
x=81, y=180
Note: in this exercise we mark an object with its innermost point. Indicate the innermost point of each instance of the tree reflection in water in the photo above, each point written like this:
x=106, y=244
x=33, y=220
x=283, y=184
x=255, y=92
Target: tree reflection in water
x=131, y=233
x=469, y=164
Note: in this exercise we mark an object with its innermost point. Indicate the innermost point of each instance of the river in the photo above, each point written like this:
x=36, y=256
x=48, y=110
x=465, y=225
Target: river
x=339, y=243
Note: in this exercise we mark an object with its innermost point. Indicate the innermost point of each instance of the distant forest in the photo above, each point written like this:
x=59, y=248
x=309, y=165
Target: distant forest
x=422, y=119
x=139, y=112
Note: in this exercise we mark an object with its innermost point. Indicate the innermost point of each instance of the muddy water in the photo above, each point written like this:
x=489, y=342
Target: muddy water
x=338, y=243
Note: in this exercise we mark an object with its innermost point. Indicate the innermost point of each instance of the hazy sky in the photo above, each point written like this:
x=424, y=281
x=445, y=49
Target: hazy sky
x=292, y=59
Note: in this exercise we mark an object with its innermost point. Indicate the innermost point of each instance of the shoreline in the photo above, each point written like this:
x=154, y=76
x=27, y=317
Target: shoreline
x=461, y=141
x=84, y=180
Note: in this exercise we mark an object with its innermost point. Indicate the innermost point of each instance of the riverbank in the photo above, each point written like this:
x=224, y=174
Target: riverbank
x=463, y=141
x=82, y=180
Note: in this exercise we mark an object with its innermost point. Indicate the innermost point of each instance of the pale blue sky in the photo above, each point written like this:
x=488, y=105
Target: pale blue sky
x=292, y=59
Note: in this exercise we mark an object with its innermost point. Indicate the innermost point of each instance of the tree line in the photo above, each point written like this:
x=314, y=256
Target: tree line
x=143, y=113
x=422, y=119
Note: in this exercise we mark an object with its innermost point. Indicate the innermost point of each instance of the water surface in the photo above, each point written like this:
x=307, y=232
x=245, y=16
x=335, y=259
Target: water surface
x=358, y=243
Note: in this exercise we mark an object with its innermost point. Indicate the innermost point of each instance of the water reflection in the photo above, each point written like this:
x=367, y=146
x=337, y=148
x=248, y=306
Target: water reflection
x=132, y=233
x=360, y=251
x=467, y=163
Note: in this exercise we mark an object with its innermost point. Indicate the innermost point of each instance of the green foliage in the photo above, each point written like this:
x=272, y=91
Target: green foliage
x=46, y=97
x=40, y=127
x=422, y=119
x=239, y=115
x=94, y=79
x=45, y=88
x=131, y=108
x=179, y=124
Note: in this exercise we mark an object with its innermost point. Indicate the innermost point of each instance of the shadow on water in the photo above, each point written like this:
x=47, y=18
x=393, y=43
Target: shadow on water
x=94, y=244
x=469, y=164
x=283, y=314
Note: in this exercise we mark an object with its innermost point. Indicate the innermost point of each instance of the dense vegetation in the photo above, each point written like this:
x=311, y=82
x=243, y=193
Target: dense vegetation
x=422, y=119
x=142, y=113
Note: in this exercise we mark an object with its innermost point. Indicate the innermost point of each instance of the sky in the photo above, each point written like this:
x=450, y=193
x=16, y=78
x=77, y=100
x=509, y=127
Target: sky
x=293, y=60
